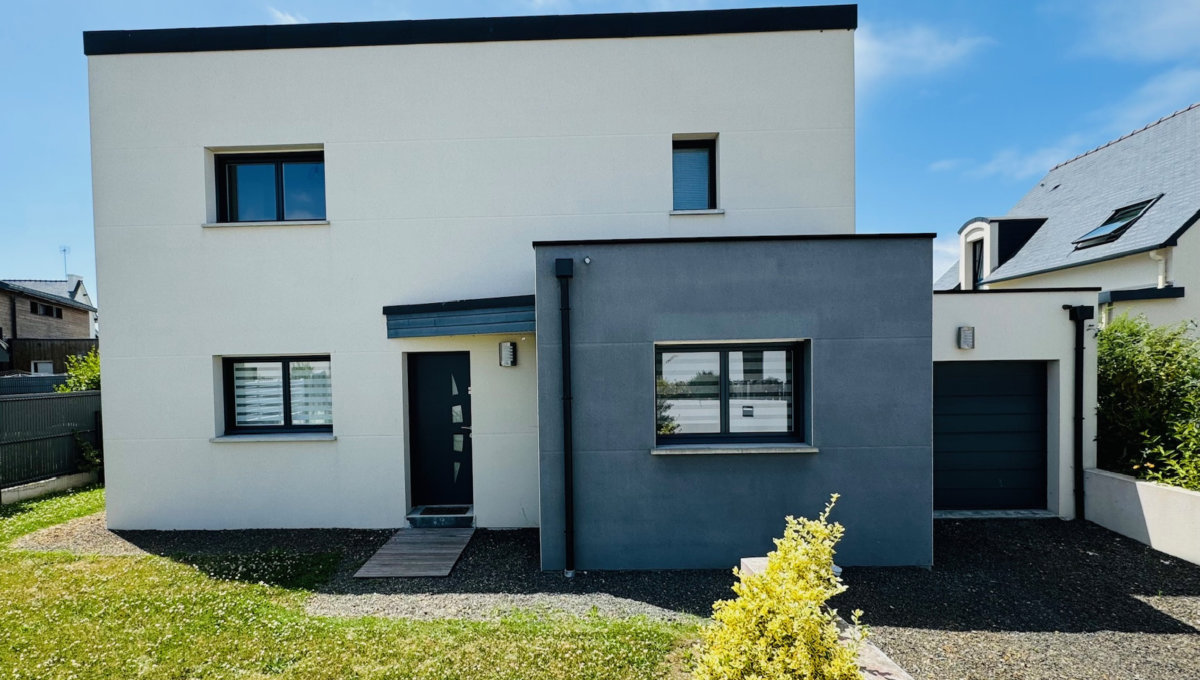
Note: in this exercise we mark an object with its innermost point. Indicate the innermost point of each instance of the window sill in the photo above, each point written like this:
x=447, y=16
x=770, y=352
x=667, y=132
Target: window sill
x=275, y=437
x=712, y=211
x=730, y=448
x=280, y=223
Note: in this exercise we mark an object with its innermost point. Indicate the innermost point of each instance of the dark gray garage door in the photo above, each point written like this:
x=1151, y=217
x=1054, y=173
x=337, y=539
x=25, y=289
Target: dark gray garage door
x=989, y=435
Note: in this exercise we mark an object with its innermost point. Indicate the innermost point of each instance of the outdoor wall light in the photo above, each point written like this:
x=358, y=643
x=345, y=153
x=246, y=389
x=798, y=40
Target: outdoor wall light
x=966, y=337
x=508, y=354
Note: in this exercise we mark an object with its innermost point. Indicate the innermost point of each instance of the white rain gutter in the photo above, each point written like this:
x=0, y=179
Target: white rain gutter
x=1158, y=257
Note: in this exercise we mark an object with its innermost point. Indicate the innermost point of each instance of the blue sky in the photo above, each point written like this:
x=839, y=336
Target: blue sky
x=962, y=104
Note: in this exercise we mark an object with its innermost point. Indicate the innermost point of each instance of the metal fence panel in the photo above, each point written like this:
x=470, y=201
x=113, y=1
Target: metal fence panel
x=38, y=434
x=30, y=384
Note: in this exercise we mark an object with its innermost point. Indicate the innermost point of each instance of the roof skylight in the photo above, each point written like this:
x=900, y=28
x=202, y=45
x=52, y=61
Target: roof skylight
x=1114, y=226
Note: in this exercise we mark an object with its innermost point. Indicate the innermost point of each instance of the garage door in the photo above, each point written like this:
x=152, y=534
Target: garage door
x=989, y=435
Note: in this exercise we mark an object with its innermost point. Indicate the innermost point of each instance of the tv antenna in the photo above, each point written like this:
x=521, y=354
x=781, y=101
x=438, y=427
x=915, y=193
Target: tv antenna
x=65, y=250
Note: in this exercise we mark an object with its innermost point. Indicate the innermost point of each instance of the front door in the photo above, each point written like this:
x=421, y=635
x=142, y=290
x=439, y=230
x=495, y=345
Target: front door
x=439, y=425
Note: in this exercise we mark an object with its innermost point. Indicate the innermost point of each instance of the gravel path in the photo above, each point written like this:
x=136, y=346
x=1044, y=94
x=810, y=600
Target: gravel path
x=497, y=573
x=1033, y=600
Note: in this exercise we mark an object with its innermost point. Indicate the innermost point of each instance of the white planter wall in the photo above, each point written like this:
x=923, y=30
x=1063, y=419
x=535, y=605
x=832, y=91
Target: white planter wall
x=1166, y=518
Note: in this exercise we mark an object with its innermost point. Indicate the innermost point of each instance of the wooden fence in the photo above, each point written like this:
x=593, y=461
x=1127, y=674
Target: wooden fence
x=40, y=434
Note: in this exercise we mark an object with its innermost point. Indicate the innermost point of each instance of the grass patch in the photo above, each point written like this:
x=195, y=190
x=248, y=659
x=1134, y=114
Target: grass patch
x=25, y=517
x=214, y=616
x=274, y=567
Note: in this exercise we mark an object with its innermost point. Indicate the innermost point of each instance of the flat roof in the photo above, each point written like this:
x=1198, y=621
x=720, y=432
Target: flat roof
x=726, y=239
x=485, y=29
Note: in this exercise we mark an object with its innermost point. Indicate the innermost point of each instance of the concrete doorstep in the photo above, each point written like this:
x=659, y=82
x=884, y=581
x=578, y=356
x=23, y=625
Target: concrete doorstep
x=871, y=660
x=46, y=486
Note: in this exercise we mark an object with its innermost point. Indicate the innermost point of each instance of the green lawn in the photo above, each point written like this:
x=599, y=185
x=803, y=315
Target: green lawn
x=65, y=616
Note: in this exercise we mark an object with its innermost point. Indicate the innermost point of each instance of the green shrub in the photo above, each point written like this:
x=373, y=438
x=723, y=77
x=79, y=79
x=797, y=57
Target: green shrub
x=83, y=373
x=1148, y=401
x=780, y=625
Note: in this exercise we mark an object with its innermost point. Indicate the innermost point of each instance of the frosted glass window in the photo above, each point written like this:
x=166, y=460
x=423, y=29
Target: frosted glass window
x=278, y=394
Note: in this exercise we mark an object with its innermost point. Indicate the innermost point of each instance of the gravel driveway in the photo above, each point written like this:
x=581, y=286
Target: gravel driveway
x=1034, y=599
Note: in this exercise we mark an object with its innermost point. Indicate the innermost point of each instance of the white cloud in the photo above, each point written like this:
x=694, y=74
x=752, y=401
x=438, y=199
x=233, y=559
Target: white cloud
x=946, y=164
x=882, y=55
x=1013, y=163
x=1145, y=30
x=1162, y=95
x=945, y=253
x=283, y=17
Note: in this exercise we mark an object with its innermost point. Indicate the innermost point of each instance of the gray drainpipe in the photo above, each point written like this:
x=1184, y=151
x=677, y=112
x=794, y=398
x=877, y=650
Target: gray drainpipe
x=1080, y=314
x=564, y=270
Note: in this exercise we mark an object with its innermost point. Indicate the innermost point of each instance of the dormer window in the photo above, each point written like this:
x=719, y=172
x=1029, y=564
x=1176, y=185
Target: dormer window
x=976, y=263
x=1114, y=226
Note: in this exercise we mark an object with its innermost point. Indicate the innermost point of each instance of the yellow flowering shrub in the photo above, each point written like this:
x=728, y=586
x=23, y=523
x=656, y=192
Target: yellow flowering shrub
x=779, y=626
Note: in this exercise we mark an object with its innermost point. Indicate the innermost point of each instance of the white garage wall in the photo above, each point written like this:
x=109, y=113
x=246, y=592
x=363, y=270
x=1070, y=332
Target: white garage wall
x=1030, y=326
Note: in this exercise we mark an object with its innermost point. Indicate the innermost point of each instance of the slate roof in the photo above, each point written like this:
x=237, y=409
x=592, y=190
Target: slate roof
x=1080, y=194
x=53, y=291
x=949, y=280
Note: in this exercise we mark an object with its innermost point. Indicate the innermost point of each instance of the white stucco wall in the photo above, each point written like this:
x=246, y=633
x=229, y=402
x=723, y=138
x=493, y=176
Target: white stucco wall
x=1166, y=518
x=1030, y=326
x=1134, y=271
x=443, y=163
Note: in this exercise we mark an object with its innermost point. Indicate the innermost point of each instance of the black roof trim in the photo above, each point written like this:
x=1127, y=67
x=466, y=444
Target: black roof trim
x=487, y=29
x=1174, y=239
x=977, y=291
x=461, y=305
x=1110, y=296
x=728, y=239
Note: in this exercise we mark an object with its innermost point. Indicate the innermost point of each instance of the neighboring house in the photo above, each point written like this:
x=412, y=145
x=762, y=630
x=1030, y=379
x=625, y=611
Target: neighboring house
x=622, y=295
x=44, y=322
x=1117, y=217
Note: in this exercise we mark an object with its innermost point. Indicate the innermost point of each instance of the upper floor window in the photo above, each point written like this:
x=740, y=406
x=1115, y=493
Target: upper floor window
x=1114, y=226
x=976, y=263
x=270, y=187
x=45, y=310
x=694, y=170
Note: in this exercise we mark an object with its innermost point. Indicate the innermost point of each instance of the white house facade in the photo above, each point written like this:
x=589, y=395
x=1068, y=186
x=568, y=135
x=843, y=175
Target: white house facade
x=295, y=181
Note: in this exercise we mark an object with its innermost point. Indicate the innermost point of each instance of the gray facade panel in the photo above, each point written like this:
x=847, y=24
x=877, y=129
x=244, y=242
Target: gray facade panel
x=461, y=322
x=863, y=305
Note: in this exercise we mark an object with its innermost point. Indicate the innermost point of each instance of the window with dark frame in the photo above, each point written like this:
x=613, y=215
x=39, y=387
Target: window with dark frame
x=40, y=309
x=976, y=263
x=278, y=394
x=1116, y=224
x=694, y=174
x=722, y=393
x=270, y=187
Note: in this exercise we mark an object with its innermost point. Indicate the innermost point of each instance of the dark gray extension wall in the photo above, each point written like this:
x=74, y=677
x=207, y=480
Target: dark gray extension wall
x=865, y=304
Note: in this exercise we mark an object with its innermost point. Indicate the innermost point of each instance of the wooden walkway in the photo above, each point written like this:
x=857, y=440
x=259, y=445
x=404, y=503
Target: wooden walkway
x=417, y=552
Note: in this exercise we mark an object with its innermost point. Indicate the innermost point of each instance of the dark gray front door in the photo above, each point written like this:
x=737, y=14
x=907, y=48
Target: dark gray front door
x=989, y=435
x=439, y=411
